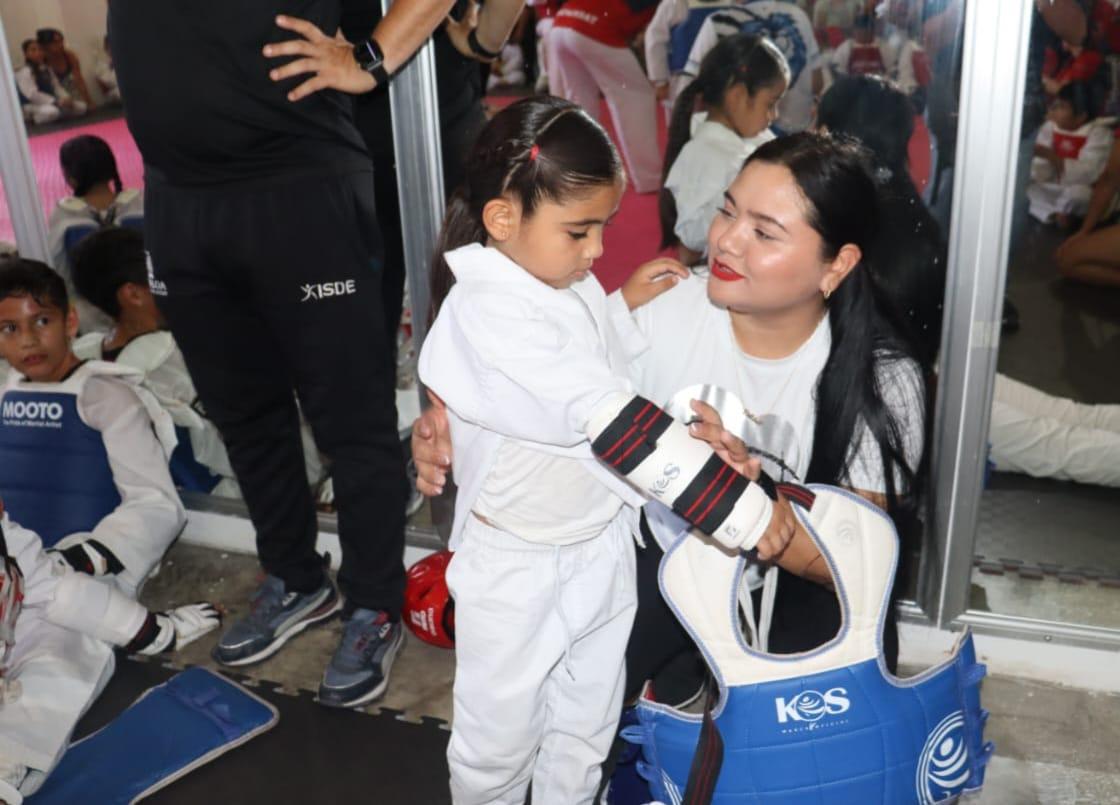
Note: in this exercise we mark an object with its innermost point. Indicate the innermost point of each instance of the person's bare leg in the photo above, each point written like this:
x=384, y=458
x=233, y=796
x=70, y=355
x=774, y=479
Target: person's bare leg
x=1093, y=259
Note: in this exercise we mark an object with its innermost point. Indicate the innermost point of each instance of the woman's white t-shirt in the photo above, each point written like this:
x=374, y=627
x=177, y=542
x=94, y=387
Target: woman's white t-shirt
x=691, y=344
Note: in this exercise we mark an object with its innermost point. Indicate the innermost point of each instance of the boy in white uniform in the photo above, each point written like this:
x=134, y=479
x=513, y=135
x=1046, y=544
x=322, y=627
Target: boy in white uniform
x=57, y=632
x=104, y=499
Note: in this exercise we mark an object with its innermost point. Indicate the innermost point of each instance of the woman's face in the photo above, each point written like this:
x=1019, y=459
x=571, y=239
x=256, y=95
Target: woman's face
x=763, y=254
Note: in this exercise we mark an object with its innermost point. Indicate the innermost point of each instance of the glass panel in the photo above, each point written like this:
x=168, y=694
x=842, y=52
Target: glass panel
x=52, y=123
x=1046, y=543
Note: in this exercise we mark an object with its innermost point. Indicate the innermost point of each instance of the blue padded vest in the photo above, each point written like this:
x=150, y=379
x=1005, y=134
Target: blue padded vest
x=55, y=477
x=831, y=725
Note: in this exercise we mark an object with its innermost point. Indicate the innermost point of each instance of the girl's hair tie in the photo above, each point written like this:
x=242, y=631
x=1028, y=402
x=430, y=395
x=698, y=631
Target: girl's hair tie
x=534, y=152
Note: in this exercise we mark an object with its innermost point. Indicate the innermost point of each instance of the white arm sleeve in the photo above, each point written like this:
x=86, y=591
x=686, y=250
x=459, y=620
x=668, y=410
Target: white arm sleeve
x=150, y=514
x=706, y=39
x=657, y=41
x=501, y=363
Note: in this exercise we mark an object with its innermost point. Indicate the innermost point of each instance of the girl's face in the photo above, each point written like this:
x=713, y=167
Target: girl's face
x=559, y=242
x=764, y=256
x=752, y=114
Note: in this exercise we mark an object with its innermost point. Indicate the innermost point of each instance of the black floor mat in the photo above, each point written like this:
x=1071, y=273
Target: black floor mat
x=313, y=755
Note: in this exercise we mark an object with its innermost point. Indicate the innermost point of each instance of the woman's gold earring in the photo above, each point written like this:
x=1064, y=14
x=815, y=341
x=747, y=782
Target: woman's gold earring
x=827, y=294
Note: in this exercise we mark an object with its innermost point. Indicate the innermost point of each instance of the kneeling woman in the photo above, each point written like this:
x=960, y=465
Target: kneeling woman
x=789, y=321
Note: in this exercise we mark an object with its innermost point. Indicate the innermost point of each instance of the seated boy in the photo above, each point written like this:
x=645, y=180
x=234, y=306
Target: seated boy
x=57, y=631
x=83, y=449
x=110, y=271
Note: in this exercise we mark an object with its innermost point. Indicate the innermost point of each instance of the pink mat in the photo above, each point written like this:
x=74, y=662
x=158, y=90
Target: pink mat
x=48, y=173
x=631, y=238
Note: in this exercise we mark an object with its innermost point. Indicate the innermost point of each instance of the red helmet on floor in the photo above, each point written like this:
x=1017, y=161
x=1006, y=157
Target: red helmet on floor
x=429, y=609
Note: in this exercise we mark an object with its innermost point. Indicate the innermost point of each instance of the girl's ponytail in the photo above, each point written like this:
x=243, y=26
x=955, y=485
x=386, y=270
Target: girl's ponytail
x=680, y=132
x=460, y=227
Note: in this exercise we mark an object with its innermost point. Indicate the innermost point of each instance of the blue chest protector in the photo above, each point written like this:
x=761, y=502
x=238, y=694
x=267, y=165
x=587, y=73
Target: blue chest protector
x=55, y=477
x=684, y=33
x=831, y=725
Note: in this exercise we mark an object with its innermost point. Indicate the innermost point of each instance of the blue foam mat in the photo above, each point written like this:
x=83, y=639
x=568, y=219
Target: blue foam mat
x=172, y=729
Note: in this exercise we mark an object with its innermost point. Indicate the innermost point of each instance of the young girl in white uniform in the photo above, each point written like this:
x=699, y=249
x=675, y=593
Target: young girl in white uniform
x=788, y=323
x=741, y=81
x=523, y=354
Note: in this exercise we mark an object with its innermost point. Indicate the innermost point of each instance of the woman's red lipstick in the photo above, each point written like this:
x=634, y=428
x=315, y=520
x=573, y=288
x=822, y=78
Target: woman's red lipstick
x=723, y=273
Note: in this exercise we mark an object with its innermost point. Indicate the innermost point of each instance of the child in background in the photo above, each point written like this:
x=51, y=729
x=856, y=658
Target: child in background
x=668, y=40
x=788, y=27
x=57, y=632
x=1070, y=152
x=1071, y=63
x=40, y=96
x=864, y=53
x=741, y=81
x=100, y=200
x=110, y=272
x=83, y=449
x=523, y=352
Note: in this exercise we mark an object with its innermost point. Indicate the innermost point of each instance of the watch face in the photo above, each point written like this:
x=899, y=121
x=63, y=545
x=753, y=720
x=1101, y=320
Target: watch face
x=366, y=56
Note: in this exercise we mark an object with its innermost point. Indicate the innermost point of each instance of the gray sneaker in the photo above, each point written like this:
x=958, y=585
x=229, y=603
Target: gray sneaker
x=359, y=670
x=274, y=618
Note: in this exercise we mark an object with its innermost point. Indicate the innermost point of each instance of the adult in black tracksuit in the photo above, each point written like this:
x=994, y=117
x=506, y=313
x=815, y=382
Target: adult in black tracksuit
x=266, y=260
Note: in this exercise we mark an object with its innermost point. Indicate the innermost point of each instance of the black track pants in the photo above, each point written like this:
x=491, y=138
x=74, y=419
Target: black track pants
x=274, y=290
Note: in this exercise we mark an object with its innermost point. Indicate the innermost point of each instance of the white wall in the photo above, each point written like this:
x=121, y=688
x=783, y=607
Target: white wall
x=82, y=21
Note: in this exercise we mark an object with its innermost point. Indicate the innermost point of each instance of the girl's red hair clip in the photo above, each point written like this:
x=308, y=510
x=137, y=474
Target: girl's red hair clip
x=534, y=152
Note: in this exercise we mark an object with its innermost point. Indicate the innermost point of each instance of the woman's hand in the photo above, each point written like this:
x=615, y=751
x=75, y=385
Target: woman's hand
x=652, y=279
x=330, y=59
x=431, y=448
x=733, y=450
x=459, y=30
x=779, y=533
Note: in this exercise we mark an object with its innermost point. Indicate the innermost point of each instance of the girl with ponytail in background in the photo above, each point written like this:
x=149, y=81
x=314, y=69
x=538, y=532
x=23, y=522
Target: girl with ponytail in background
x=100, y=198
x=740, y=83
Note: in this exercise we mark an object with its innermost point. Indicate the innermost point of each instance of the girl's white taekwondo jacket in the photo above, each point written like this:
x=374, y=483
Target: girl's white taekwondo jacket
x=516, y=359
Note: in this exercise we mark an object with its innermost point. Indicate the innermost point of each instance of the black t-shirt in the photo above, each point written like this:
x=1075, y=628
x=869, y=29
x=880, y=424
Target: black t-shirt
x=199, y=101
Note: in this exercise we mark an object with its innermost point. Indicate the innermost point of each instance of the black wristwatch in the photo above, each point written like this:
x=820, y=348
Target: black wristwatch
x=476, y=46
x=369, y=57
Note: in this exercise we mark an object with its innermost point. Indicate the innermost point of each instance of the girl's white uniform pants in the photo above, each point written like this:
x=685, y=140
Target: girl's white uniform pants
x=579, y=68
x=540, y=634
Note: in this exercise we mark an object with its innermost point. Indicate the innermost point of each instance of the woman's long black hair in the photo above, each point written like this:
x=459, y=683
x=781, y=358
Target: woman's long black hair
x=753, y=61
x=909, y=254
x=843, y=203
x=537, y=149
x=88, y=161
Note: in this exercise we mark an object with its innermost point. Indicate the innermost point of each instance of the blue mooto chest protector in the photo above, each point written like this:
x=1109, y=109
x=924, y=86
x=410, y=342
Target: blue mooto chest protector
x=830, y=725
x=55, y=477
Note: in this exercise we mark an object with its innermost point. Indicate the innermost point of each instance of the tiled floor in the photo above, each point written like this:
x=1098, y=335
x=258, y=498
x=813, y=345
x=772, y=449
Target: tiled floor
x=1055, y=745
